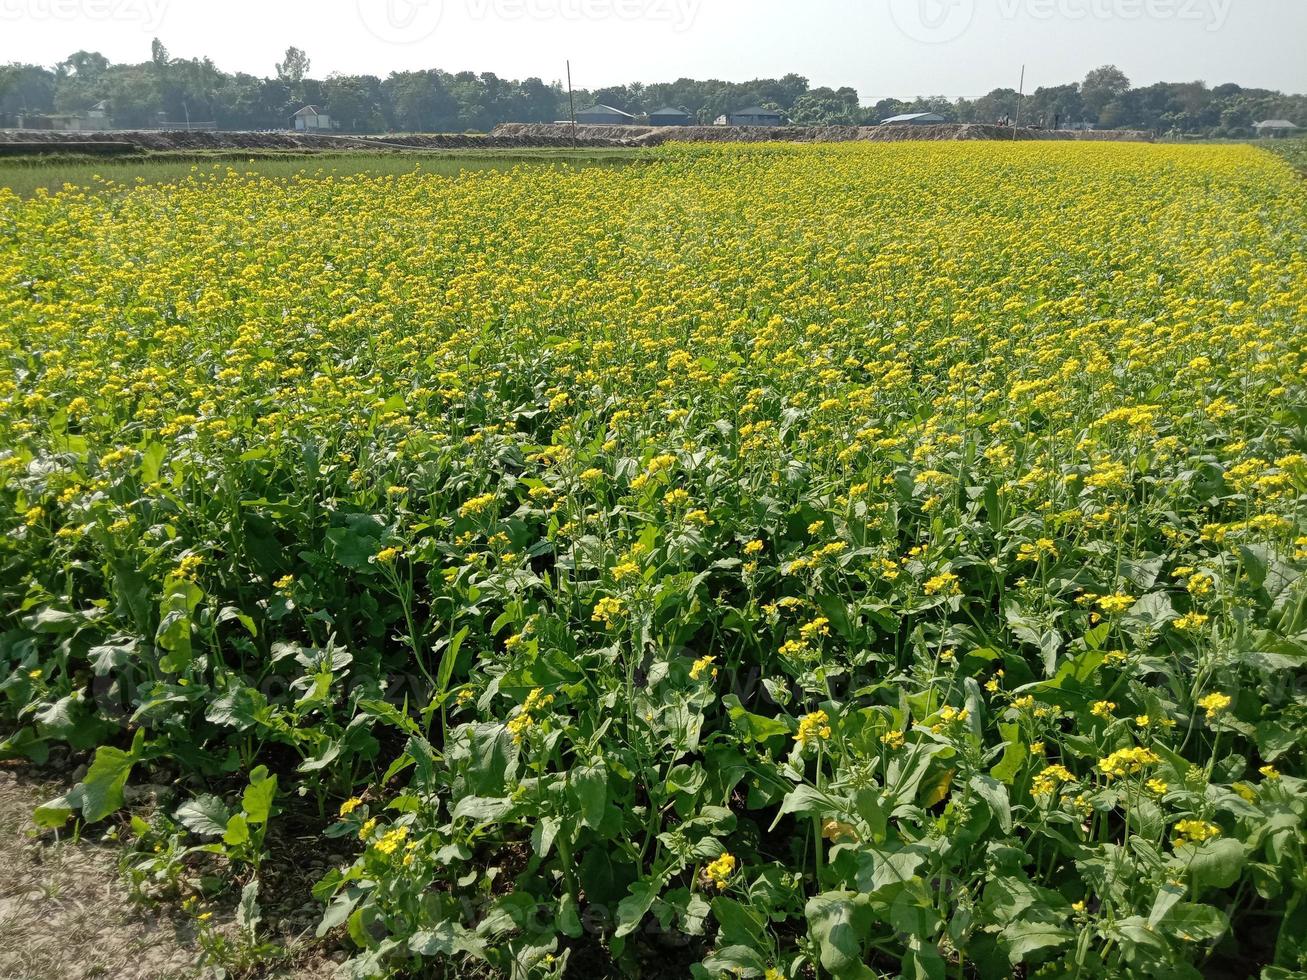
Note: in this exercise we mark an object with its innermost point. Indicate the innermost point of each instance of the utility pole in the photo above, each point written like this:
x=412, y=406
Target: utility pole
x=1021, y=95
x=571, y=101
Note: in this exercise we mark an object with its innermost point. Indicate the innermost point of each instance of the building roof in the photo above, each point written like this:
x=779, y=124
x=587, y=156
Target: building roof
x=604, y=109
x=1274, y=124
x=309, y=110
x=669, y=111
x=913, y=116
x=756, y=110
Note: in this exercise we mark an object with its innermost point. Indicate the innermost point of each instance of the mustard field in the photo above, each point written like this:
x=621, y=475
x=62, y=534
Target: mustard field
x=772, y=561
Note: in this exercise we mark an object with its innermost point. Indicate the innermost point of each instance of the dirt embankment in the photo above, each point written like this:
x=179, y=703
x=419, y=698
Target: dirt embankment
x=655, y=136
x=517, y=136
x=160, y=141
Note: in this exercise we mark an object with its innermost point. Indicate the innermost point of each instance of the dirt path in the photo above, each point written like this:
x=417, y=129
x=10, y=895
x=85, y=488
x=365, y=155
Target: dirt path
x=65, y=912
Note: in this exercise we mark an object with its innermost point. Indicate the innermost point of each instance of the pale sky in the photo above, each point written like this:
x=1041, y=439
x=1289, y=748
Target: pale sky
x=880, y=47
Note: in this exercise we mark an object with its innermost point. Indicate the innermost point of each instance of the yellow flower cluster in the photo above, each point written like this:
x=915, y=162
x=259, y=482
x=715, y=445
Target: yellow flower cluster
x=1127, y=762
x=813, y=728
x=719, y=872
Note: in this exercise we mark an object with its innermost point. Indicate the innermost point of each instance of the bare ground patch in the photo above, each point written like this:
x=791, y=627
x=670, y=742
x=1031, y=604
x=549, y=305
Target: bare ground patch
x=67, y=914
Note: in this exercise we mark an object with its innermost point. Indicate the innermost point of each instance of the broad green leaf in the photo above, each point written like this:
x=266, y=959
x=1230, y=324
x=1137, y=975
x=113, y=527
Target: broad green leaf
x=259, y=795
x=205, y=815
x=635, y=906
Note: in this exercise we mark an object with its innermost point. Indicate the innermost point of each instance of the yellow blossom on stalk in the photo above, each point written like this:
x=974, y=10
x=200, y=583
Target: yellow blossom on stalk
x=188, y=567
x=893, y=739
x=284, y=583
x=1157, y=786
x=477, y=505
x=753, y=548
x=390, y=841
x=1270, y=773
x=1039, y=550
x=367, y=829
x=701, y=666
x=946, y=583
x=1190, y=622
x=519, y=725
x=387, y=556
x=608, y=610
x=1194, y=832
x=350, y=805
x=813, y=728
x=1115, y=604
x=1048, y=779
x=949, y=716
x=1215, y=705
x=818, y=627
x=1103, y=709
x=538, y=701
x=719, y=872
x=1127, y=762
x=625, y=570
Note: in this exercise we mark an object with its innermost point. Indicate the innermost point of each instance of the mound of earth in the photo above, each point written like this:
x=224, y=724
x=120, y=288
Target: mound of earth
x=209, y=140
x=655, y=136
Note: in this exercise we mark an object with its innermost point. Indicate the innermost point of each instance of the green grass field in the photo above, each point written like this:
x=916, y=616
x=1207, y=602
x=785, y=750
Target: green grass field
x=27, y=175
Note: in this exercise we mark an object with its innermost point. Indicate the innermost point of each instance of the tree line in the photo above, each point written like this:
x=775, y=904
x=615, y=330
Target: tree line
x=171, y=92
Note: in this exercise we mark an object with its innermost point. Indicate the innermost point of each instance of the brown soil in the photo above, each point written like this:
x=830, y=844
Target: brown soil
x=160, y=141
x=66, y=914
x=531, y=135
x=654, y=136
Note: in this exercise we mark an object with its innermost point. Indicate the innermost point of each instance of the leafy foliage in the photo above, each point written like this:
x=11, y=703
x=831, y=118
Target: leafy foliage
x=748, y=548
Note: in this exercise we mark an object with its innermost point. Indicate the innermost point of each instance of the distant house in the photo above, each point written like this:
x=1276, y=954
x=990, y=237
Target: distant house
x=90, y=120
x=670, y=116
x=604, y=115
x=752, y=116
x=1272, y=128
x=311, y=119
x=913, y=119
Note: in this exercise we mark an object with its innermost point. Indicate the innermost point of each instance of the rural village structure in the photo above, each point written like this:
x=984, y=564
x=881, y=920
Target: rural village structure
x=670, y=116
x=604, y=115
x=752, y=116
x=1275, y=127
x=311, y=120
x=913, y=119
